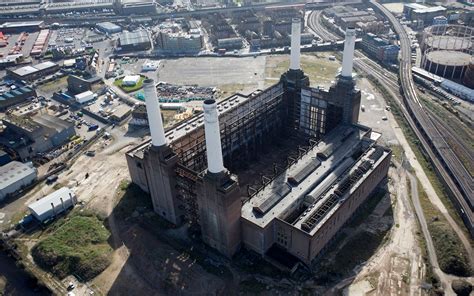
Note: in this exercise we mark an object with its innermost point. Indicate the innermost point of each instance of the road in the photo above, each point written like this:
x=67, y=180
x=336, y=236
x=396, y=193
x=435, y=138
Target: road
x=426, y=234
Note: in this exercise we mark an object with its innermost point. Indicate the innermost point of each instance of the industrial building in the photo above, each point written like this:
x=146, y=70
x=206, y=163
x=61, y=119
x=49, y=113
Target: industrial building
x=18, y=27
x=29, y=135
x=131, y=41
x=277, y=171
x=172, y=39
x=421, y=15
x=130, y=7
x=76, y=84
x=15, y=97
x=380, y=48
x=108, y=28
x=53, y=204
x=14, y=176
x=30, y=73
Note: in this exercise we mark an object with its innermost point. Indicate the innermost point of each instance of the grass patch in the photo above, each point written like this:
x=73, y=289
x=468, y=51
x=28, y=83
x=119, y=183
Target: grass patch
x=54, y=85
x=132, y=88
x=317, y=66
x=452, y=257
x=79, y=247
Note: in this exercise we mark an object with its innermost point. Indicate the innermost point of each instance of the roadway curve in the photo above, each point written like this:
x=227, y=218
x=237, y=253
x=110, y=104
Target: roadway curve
x=447, y=164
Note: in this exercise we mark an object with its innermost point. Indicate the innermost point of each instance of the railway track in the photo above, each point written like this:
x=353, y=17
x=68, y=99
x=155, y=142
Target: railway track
x=432, y=132
x=449, y=167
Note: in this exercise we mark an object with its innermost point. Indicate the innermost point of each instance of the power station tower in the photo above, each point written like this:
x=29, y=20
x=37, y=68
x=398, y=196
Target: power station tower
x=344, y=89
x=294, y=79
x=218, y=195
x=161, y=161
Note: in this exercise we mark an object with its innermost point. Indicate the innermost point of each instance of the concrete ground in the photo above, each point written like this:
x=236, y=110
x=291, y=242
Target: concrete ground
x=214, y=71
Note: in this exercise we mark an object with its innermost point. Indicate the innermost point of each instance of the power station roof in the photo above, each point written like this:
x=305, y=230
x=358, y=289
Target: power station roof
x=271, y=202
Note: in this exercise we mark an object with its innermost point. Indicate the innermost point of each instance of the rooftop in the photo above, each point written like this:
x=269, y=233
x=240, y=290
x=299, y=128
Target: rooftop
x=13, y=172
x=430, y=9
x=20, y=24
x=131, y=38
x=52, y=122
x=23, y=71
x=44, y=65
x=43, y=205
x=415, y=6
x=108, y=26
x=336, y=147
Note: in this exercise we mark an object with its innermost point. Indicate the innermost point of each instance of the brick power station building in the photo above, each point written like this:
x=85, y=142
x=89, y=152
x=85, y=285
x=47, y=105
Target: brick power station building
x=278, y=171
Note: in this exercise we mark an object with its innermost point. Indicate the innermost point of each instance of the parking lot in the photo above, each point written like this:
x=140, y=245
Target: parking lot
x=67, y=37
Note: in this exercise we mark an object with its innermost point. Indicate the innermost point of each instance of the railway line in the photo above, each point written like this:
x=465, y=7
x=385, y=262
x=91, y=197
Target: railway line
x=431, y=131
x=447, y=164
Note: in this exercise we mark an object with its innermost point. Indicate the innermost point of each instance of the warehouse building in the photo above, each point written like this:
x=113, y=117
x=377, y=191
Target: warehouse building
x=53, y=204
x=134, y=41
x=14, y=176
x=30, y=73
x=15, y=97
x=18, y=27
x=108, y=28
x=28, y=136
x=202, y=171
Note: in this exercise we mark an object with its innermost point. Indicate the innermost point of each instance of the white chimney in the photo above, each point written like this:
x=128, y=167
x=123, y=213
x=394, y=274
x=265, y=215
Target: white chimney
x=295, y=44
x=215, y=162
x=154, y=114
x=348, y=55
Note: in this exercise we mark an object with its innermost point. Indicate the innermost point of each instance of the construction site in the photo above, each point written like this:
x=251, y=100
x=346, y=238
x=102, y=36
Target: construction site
x=278, y=171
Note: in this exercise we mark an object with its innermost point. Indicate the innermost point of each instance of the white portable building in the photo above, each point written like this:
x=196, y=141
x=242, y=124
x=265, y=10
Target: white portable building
x=85, y=97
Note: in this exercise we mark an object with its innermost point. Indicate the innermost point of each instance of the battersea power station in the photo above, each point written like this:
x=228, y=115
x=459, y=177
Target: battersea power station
x=278, y=171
